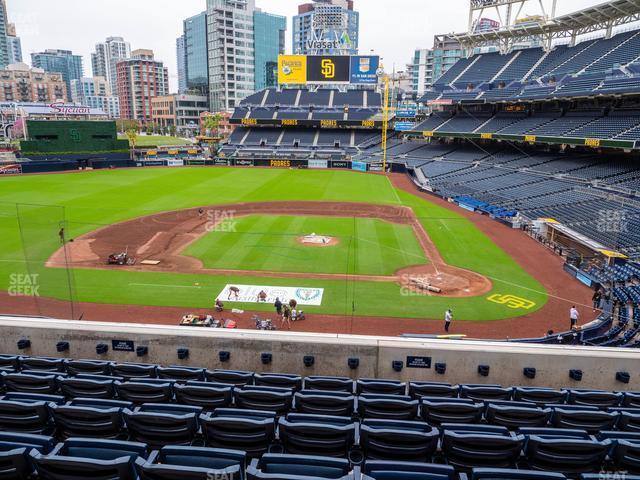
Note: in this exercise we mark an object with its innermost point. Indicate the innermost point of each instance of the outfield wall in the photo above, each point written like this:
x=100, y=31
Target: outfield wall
x=331, y=352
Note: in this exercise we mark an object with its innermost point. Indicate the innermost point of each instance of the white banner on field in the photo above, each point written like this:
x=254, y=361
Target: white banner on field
x=250, y=294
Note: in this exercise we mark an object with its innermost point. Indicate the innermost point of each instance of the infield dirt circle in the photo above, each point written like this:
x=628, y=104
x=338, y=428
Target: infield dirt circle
x=164, y=237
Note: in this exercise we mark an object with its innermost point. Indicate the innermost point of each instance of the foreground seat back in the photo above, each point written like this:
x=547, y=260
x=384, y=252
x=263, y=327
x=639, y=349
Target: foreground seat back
x=88, y=367
x=517, y=416
x=264, y=398
x=86, y=421
x=329, y=384
x=43, y=364
x=297, y=467
x=15, y=461
x=238, y=378
x=193, y=463
x=181, y=374
x=30, y=383
x=594, y=398
x=510, y=474
x=481, y=393
x=134, y=370
x=74, y=387
x=380, y=387
x=160, y=425
x=592, y=421
x=386, y=470
x=566, y=455
x=433, y=390
x=450, y=410
x=394, y=407
x=24, y=416
x=540, y=396
x=140, y=392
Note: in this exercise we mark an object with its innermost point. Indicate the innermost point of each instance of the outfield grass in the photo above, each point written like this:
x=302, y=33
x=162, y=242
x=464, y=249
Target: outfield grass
x=157, y=140
x=270, y=243
x=93, y=199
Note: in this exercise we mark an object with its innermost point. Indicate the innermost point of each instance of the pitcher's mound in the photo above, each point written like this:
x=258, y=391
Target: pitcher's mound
x=314, y=240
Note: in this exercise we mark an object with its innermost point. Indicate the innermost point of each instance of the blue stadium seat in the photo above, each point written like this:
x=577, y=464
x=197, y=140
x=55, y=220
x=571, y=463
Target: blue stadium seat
x=88, y=367
x=324, y=435
x=181, y=374
x=393, y=407
x=318, y=402
x=398, y=440
x=594, y=398
x=380, y=386
x=566, y=455
x=271, y=399
x=25, y=414
x=134, y=370
x=540, y=396
x=515, y=415
x=251, y=431
x=510, y=474
x=438, y=410
x=193, y=463
x=298, y=467
x=480, y=393
x=337, y=384
x=73, y=387
x=589, y=420
x=139, y=391
x=87, y=459
x=42, y=364
x=433, y=389
x=232, y=377
x=102, y=419
x=14, y=453
x=207, y=395
x=279, y=380
x=159, y=425
x=387, y=470
x=41, y=383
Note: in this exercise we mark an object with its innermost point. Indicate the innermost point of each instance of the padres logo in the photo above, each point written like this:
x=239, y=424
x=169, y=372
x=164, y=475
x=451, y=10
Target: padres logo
x=512, y=301
x=328, y=68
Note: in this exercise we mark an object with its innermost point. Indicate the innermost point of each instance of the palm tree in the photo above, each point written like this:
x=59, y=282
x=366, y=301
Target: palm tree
x=132, y=136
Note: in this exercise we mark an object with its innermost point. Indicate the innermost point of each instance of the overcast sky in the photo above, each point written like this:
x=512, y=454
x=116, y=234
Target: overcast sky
x=392, y=29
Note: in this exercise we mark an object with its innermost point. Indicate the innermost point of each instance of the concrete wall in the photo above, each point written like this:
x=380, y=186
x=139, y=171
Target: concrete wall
x=331, y=352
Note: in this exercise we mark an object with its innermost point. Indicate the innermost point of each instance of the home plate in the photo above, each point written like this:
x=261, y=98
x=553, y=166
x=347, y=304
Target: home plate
x=150, y=262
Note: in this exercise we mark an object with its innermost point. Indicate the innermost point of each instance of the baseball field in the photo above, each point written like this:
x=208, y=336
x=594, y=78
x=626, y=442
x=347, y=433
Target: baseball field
x=379, y=234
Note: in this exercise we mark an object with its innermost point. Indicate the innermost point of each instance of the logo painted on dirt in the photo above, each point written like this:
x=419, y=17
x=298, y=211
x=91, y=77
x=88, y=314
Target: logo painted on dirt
x=512, y=301
x=307, y=294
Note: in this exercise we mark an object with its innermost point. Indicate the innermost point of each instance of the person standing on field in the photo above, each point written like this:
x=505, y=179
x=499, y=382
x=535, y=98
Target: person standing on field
x=448, y=318
x=574, y=316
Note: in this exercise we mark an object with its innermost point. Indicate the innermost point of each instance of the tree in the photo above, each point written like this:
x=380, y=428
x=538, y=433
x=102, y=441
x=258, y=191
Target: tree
x=211, y=124
x=124, y=124
x=172, y=130
x=132, y=136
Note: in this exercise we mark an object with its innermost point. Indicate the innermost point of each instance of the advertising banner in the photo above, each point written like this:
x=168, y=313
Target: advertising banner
x=340, y=164
x=404, y=126
x=174, y=162
x=12, y=169
x=243, y=163
x=318, y=164
x=328, y=69
x=364, y=69
x=292, y=69
x=359, y=166
x=251, y=294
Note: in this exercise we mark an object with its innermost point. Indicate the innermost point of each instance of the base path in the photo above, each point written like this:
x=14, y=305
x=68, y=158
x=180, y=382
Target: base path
x=163, y=238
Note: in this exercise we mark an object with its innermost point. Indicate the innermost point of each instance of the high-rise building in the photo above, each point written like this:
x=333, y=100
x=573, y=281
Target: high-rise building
x=4, y=25
x=181, y=60
x=106, y=57
x=430, y=64
x=140, y=78
x=179, y=111
x=94, y=92
x=20, y=83
x=59, y=61
x=326, y=27
x=268, y=38
x=234, y=55
x=14, y=45
x=231, y=52
x=196, y=54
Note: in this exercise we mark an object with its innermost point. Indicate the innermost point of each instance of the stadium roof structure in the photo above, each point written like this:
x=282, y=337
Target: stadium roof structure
x=604, y=16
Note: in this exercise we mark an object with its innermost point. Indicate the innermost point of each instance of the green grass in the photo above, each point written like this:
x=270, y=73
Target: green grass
x=269, y=243
x=89, y=200
x=157, y=140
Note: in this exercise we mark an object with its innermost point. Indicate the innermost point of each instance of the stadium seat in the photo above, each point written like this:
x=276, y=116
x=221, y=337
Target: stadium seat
x=232, y=377
x=380, y=387
x=392, y=407
x=139, y=391
x=398, y=440
x=88, y=367
x=279, y=380
x=325, y=435
x=272, y=399
x=25, y=414
x=515, y=415
x=319, y=402
x=42, y=364
x=594, y=398
x=629, y=420
x=433, y=389
x=298, y=467
x=329, y=384
x=565, y=455
x=193, y=463
x=386, y=470
x=134, y=370
x=181, y=374
x=11, y=362
x=480, y=393
x=631, y=399
x=14, y=453
x=450, y=410
x=590, y=420
x=251, y=431
x=102, y=419
x=87, y=459
x=540, y=396
x=73, y=387
x=159, y=425
x=42, y=383
x=510, y=474
x=207, y=395
x=473, y=446
x=625, y=454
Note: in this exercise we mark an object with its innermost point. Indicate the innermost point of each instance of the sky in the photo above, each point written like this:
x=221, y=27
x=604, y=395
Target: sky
x=391, y=29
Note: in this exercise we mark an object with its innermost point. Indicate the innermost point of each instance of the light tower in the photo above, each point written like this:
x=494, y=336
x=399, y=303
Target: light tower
x=510, y=13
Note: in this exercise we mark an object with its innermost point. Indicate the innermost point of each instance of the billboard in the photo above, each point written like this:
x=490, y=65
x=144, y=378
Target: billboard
x=364, y=70
x=292, y=69
x=328, y=68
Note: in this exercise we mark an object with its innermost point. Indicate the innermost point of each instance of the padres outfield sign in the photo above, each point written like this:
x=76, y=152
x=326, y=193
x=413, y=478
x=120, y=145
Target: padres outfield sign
x=327, y=69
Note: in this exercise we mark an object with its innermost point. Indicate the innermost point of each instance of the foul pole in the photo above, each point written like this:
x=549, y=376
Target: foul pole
x=385, y=122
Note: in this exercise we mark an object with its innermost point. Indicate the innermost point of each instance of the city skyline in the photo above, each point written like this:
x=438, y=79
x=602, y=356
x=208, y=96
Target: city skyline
x=92, y=24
